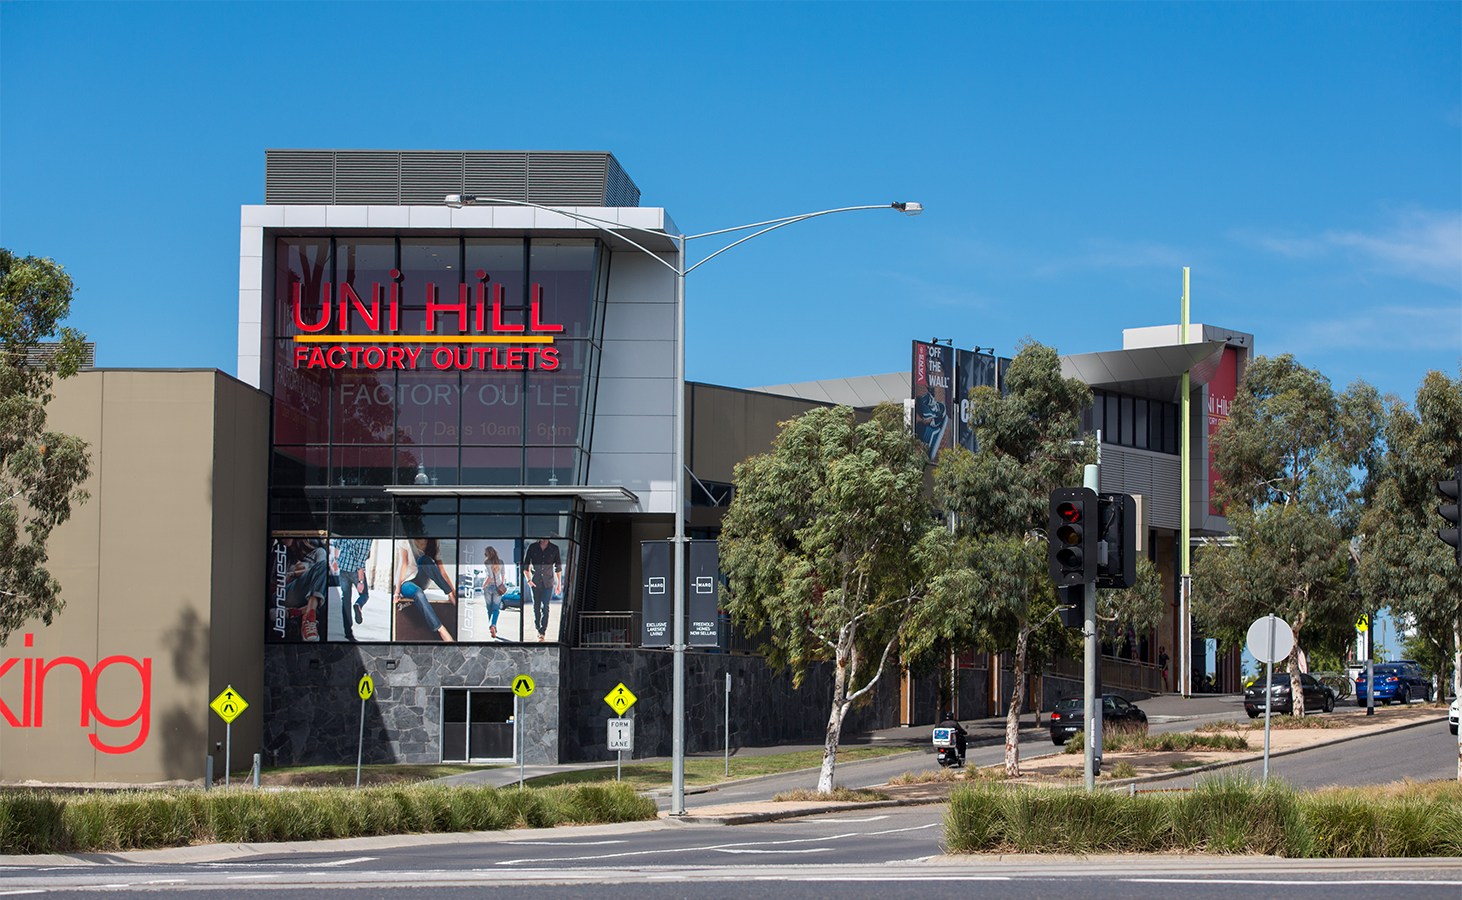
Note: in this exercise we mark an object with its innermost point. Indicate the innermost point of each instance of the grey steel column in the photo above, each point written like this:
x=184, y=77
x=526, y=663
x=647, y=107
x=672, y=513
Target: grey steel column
x=677, y=740
x=1091, y=479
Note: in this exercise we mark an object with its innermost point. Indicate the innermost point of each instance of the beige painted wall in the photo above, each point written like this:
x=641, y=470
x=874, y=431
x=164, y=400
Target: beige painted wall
x=163, y=566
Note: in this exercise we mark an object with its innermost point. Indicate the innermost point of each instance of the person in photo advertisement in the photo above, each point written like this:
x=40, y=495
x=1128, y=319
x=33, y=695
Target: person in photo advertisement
x=544, y=566
x=418, y=566
x=493, y=587
x=351, y=558
x=932, y=417
x=307, y=583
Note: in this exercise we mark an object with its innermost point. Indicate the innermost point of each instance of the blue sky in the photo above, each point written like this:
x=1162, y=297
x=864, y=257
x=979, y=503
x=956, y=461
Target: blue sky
x=1305, y=160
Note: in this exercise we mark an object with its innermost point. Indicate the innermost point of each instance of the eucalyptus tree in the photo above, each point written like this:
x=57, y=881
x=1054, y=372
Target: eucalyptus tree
x=1293, y=462
x=41, y=471
x=827, y=545
x=1402, y=562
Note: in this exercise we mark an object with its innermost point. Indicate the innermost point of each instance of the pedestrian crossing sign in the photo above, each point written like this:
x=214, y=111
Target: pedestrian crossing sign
x=620, y=698
x=229, y=705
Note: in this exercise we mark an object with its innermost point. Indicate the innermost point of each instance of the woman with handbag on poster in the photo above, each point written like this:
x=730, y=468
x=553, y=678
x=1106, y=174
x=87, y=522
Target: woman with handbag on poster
x=494, y=587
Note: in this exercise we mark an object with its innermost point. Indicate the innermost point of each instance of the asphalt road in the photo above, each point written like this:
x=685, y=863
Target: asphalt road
x=1424, y=753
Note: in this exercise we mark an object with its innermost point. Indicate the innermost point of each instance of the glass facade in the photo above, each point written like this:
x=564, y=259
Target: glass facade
x=1133, y=421
x=481, y=407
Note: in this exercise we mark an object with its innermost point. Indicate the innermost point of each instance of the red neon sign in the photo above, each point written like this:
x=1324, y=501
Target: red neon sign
x=33, y=696
x=503, y=346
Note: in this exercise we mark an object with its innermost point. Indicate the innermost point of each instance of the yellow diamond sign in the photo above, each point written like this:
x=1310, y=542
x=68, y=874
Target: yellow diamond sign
x=1362, y=624
x=229, y=704
x=620, y=699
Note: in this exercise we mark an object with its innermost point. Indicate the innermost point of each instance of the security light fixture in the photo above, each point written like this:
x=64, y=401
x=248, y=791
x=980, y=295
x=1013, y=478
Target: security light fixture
x=908, y=207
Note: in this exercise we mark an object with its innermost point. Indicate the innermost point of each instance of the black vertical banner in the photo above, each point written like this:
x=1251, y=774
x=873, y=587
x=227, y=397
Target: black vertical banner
x=971, y=370
x=703, y=592
x=655, y=597
x=933, y=385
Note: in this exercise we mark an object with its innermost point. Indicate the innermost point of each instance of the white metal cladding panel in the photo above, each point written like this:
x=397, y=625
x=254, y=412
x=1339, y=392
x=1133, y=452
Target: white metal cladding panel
x=502, y=175
x=427, y=176
x=567, y=179
x=364, y=177
x=299, y=177
x=1155, y=476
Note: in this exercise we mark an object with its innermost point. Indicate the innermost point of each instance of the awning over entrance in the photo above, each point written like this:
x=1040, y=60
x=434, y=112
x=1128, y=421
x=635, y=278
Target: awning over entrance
x=583, y=492
x=1151, y=372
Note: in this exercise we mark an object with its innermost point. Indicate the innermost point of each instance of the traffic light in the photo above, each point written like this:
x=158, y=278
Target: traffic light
x=1116, y=541
x=1450, y=490
x=1072, y=536
x=1073, y=606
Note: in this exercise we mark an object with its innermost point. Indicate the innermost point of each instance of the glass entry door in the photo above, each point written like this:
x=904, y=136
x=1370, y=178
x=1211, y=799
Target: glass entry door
x=477, y=725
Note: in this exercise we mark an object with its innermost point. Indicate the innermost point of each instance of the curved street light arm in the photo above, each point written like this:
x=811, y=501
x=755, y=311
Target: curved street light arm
x=467, y=199
x=786, y=220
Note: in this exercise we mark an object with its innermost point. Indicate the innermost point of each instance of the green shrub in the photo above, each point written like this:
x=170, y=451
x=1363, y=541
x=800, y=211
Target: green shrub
x=42, y=822
x=1224, y=815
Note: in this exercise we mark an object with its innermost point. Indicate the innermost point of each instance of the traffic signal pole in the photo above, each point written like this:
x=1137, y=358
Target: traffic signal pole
x=1092, y=706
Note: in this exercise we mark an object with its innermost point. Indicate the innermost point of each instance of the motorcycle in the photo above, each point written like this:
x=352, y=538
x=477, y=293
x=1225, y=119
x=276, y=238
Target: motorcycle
x=946, y=742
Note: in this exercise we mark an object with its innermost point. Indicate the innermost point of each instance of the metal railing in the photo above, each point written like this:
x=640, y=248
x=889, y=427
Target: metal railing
x=609, y=629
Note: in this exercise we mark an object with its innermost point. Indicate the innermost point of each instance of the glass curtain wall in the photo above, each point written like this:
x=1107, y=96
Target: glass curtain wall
x=350, y=563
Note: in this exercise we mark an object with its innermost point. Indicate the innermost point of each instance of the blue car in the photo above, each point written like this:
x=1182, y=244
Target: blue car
x=1395, y=682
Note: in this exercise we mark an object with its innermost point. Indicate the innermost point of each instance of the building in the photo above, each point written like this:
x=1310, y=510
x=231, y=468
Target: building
x=451, y=432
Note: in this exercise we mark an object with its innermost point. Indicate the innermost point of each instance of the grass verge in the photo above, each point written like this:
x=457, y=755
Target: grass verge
x=1120, y=742
x=840, y=794
x=1223, y=815
x=702, y=771
x=44, y=822
x=344, y=776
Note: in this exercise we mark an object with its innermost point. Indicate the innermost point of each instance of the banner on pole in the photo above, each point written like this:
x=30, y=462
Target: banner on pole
x=655, y=595
x=703, y=593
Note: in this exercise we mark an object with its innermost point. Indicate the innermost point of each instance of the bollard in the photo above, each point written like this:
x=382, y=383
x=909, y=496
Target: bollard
x=208, y=773
x=256, y=770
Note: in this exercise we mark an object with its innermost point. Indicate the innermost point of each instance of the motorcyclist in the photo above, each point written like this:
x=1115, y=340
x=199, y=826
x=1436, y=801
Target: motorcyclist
x=949, y=721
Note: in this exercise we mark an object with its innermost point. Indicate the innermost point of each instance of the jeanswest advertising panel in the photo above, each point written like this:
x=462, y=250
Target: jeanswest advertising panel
x=972, y=370
x=933, y=390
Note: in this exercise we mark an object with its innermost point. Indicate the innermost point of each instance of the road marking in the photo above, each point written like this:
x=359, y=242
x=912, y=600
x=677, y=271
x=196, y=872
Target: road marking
x=237, y=877
x=752, y=850
x=865, y=819
x=166, y=881
x=567, y=843
x=13, y=893
x=1283, y=881
x=346, y=862
x=722, y=847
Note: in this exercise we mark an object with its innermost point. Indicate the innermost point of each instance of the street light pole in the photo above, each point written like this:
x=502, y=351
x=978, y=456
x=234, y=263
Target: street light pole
x=680, y=270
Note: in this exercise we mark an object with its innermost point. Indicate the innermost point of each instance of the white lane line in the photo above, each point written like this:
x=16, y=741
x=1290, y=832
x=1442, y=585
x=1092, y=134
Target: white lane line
x=346, y=862
x=865, y=819
x=753, y=844
x=777, y=852
x=566, y=843
x=13, y=893
x=901, y=877
x=166, y=881
x=240, y=877
x=1283, y=881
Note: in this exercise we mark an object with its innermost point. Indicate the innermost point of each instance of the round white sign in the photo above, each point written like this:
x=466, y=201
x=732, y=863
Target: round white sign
x=1258, y=639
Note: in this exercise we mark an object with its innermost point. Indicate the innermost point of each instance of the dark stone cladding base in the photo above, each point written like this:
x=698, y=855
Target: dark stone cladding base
x=765, y=707
x=312, y=713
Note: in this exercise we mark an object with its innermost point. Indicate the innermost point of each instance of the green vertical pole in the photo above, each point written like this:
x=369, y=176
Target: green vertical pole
x=1184, y=643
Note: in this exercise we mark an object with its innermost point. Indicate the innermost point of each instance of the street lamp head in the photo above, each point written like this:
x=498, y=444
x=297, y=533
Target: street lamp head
x=457, y=201
x=909, y=207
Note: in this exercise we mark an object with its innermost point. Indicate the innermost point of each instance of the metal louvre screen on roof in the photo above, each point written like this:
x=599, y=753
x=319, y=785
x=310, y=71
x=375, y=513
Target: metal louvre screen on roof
x=428, y=176
x=424, y=177
x=363, y=177
x=1157, y=476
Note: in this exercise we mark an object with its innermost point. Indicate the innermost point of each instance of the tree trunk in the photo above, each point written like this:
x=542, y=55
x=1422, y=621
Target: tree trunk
x=1017, y=702
x=835, y=717
x=1296, y=688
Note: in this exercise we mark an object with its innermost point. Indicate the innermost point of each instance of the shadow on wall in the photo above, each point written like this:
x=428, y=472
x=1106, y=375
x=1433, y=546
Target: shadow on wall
x=184, y=738
x=184, y=744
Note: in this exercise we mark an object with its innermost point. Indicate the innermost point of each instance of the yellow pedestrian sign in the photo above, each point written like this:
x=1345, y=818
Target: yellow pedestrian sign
x=1363, y=623
x=523, y=685
x=229, y=704
x=620, y=699
x=366, y=687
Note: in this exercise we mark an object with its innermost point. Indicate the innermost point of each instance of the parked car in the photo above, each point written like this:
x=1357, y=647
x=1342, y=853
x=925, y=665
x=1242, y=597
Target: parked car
x=1398, y=681
x=1317, y=696
x=1069, y=716
x=1452, y=717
